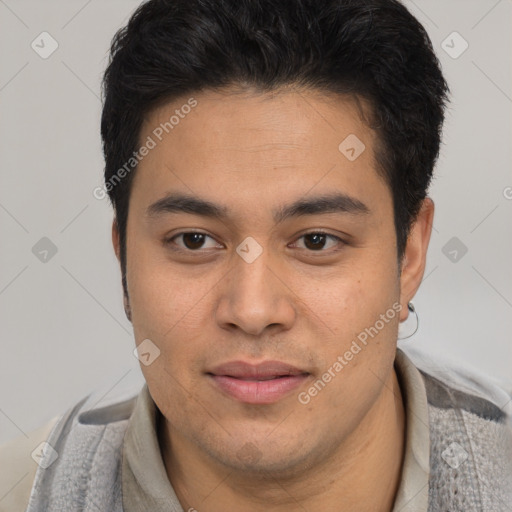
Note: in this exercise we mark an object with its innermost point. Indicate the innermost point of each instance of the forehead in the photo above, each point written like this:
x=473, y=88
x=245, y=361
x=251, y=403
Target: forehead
x=241, y=145
x=237, y=116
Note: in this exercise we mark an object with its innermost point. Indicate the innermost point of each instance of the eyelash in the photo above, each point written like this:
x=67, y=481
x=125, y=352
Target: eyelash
x=169, y=241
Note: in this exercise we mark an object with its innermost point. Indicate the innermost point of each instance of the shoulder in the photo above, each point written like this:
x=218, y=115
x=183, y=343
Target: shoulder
x=23, y=459
x=452, y=385
x=470, y=426
x=18, y=467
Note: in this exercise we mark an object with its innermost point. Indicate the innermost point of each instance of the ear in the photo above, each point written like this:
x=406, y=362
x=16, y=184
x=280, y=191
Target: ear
x=117, y=250
x=115, y=240
x=415, y=256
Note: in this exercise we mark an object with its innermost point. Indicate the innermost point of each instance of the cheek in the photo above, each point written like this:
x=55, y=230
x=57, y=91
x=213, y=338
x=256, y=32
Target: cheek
x=170, y=310
x=173, y=302
x=160, y=294
x=165, y=297
x=352, y=297
x=167, y=309
x=358, y=349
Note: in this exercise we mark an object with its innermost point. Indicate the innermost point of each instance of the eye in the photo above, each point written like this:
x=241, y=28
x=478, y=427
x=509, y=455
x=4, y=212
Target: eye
x=192, y=240
x=316, y=240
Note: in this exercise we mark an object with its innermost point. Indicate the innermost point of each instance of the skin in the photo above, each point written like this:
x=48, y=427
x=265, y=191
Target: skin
x=301, y=301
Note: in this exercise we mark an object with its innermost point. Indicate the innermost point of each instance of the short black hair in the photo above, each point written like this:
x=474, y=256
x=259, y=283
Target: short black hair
x=373, y=49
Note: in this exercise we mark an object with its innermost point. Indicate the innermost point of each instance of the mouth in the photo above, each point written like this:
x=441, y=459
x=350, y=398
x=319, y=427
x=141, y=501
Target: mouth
x=264, y=383
x=255, y=379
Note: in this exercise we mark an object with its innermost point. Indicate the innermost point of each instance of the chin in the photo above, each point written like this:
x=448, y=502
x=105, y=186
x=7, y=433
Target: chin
x=263, y=459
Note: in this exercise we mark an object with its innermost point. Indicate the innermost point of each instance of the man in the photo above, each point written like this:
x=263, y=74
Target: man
x=268, y=164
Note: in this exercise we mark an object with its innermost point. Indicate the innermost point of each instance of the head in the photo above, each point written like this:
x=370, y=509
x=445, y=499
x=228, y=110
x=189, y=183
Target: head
x=246, y=108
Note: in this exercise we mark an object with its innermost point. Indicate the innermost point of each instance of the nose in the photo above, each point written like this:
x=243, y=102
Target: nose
x=255, y=296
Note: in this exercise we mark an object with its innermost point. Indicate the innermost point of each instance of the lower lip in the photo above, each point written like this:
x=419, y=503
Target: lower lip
x=258, y=392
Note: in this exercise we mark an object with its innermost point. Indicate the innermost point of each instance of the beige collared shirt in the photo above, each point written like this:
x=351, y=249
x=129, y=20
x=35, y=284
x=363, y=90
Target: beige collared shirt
x=146, y=486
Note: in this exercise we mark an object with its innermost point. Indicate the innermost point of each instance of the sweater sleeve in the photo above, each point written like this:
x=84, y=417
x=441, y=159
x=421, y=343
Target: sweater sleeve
x=18, y=468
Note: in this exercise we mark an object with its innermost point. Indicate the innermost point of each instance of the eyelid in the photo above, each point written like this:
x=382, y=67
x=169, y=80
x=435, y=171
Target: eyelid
x=322, y=232
x=169, y=240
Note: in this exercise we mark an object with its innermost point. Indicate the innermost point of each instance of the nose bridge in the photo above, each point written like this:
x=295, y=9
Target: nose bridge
x=253, y=284
x=255, y=297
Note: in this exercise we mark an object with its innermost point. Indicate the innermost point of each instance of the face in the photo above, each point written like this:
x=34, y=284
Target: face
x=261, y=280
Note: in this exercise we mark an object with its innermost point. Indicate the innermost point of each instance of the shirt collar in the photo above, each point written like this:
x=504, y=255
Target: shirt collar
x=412, y=494
x=144, y=478
x=147, y=487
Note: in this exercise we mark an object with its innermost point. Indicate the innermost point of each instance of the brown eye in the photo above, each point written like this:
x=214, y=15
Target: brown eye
x=191, y=241
x=317, y=240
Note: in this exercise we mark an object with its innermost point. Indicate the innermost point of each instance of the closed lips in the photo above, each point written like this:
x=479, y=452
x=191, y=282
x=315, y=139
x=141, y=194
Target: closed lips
x=258, y=378
x=266, y=370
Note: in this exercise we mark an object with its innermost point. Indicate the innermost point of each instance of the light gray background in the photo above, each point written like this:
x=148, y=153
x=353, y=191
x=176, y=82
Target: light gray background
x=63, y=328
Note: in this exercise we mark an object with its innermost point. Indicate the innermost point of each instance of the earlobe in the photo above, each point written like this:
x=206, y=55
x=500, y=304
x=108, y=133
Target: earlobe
x=415, y=256
x=117, y=250
x=127, y=307
x=115, y=240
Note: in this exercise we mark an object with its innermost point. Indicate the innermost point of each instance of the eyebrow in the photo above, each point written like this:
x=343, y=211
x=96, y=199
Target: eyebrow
x=327, y=203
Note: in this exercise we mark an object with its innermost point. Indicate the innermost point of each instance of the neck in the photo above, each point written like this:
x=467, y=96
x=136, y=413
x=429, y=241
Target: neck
x=363, y=473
